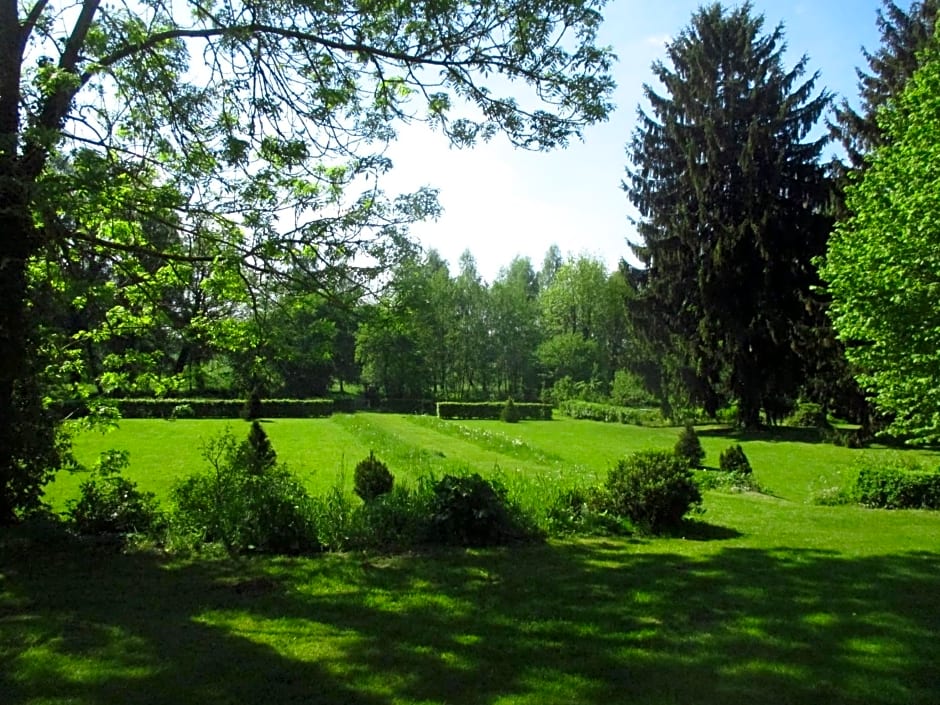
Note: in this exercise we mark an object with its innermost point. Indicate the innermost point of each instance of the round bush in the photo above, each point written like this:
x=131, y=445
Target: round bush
x=472, y=511
x=653, y=489
x=734, y=460
x=372, y=478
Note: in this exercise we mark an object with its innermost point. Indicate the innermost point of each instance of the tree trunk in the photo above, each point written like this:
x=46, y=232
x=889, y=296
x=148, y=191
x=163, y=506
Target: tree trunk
x=14, y=247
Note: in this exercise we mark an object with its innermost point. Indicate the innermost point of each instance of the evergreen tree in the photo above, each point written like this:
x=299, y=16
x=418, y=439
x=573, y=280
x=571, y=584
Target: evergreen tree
x=730, y=197
x=256, y=452
x=904, y=35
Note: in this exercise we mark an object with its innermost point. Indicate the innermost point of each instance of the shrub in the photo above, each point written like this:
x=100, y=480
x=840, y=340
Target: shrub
x=847, y=437
x=733, y=459
x=509, y=413
x=245, y=507
x=472, y=511
x=257, y=453
x=831, y=497
x=808, y=415
x=653, y=489
x=109, y=503
x=332, y=516
x=395, y=521
x=372, y=478
x=689, y=447
x=182, y=411
x=628, y=390
x=895, y=483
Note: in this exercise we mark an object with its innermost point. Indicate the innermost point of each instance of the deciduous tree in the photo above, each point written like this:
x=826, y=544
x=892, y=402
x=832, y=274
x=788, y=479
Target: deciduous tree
x=261, y=117
x=883, y=262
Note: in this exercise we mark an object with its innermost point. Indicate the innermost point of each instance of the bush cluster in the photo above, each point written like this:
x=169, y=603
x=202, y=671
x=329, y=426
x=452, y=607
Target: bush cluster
x=492, y=410
x=808, y=415
x=611, y=414
x=653, y=489
x=897, y=485
x=109, y=503
x=246, y=501
x=472, y=511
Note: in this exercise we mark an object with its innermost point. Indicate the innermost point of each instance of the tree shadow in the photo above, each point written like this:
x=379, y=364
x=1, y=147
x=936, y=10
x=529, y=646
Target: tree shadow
x=778, y=434
x=599, y=621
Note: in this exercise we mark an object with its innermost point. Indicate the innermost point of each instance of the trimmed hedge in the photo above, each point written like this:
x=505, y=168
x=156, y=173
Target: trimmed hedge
x=891, y=487
x=492, y=410
x=405, y=406
x=222, y=408
x=611, y=414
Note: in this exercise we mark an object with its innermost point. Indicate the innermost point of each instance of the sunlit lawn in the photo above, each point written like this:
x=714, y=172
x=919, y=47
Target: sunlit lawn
x=768, y=598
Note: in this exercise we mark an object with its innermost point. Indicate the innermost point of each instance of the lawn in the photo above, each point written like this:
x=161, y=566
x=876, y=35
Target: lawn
x=768, y=598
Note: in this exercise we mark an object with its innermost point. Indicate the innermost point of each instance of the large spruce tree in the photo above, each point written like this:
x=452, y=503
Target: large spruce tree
x=904, y=36
x=730, y=194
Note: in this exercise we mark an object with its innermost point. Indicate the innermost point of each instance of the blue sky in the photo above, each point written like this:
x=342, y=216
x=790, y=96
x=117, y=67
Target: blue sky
x=500, y=202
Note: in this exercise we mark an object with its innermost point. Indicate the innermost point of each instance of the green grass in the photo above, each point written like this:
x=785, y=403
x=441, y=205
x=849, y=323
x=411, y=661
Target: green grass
x=767, y=598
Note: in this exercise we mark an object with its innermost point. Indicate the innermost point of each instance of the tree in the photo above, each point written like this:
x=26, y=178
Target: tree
x=883, y=262
x=287, y=108
x=904, y=35
x=515, y=329
x=469, y=330
x=575, y=320
x=731, y=202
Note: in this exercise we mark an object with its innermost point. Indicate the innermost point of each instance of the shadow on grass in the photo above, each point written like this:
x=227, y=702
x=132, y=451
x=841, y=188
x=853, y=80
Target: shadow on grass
x=786, y=434
x=586, y=622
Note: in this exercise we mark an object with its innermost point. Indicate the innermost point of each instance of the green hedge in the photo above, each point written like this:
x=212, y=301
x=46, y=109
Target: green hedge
x=406, y=406
x=492, y=410
x=611, y=414
x=896, y=488
x=222, y=408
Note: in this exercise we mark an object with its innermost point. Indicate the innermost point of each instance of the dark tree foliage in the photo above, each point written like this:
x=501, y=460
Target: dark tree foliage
x=904, y=35
x=730, y=195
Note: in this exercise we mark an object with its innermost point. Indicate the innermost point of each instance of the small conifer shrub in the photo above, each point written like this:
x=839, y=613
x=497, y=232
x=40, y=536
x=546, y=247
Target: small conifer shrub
x=689, y=447
x=509, y=413
x=372, y=478
x=733, y=459
x=256, y=451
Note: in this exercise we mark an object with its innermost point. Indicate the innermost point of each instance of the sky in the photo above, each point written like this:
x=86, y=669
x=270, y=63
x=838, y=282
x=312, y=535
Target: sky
x=500, y=202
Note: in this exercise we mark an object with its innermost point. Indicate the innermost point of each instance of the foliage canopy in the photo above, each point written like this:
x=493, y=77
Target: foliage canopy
x=883, y=262
x=232, y=141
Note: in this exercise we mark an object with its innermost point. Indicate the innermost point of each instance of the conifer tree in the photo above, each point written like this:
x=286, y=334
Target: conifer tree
x=904, y=35
x=730, y=195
